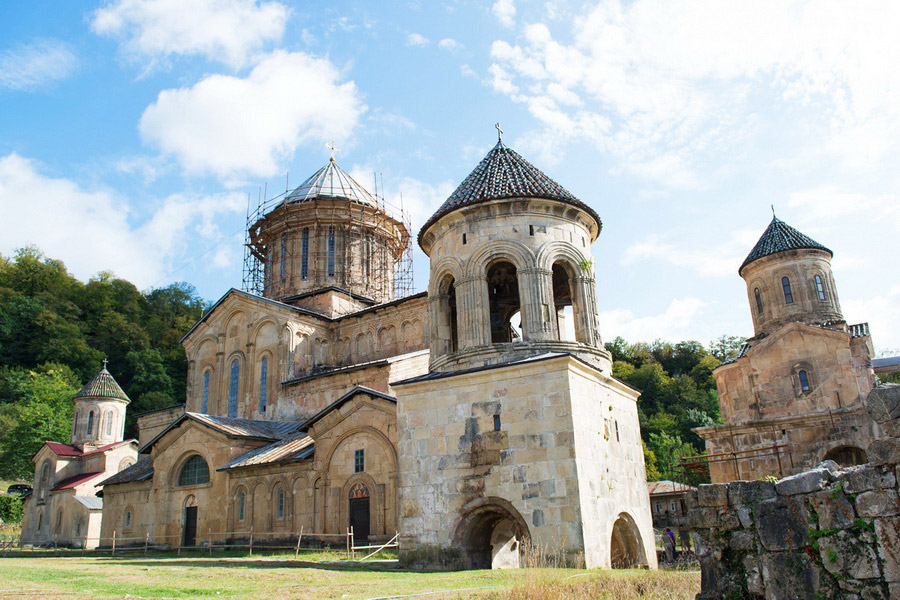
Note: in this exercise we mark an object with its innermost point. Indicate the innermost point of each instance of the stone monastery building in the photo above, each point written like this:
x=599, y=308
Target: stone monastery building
x=475, y=420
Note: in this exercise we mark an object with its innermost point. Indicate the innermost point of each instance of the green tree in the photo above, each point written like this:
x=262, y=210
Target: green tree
x=726, y=347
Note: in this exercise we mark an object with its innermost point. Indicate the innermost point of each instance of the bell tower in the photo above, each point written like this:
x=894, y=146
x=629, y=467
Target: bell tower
x=99, y=412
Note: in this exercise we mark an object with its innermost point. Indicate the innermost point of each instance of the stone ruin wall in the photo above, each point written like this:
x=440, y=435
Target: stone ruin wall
x=821, y=534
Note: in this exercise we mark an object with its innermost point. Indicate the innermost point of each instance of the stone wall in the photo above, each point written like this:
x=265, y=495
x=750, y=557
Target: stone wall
x=824, y=533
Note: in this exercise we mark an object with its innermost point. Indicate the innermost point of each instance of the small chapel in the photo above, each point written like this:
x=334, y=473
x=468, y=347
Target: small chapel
x=475, y=420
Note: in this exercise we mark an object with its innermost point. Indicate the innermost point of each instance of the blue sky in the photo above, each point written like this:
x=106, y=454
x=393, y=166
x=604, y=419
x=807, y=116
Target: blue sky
x=133, y=131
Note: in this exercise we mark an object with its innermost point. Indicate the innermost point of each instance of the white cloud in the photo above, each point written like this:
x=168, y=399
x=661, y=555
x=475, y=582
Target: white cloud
x=719, y=261
x=880, y=312
x=233, y=126
x=467, y=71
x=416, y=39
x=229, y=31
x=672, y=324
x=90, y=230
x=832, y=204
x=450, y=45
x=505, y=12
x=34, y=65
x=420, y=199
x=680, y=84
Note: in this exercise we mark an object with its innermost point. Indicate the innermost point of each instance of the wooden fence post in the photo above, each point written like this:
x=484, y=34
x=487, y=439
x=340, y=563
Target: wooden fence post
x=297, y=549
x=146, y=543
x=251, y=541
x=113, y=543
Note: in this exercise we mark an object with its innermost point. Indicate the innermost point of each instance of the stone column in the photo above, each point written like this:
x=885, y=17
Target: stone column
x=586, y=319
x=473, y=325
x=536, y=297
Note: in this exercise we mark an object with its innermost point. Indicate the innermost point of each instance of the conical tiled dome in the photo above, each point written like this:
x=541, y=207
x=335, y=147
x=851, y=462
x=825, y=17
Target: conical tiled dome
x=330, y=181
x=102, y=386
x=503, y=173
x=779, y=237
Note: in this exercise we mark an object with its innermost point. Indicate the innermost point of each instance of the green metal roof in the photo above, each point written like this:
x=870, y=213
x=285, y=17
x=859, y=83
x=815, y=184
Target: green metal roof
x=102, y=386
x=780, y=237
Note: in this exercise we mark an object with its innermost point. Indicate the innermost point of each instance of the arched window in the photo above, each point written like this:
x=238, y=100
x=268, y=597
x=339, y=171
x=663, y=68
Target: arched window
x=447, y=330
x=58, y=521
x=504, y=303
x=562, y=301
x=279, y=503
x=263, y=379
x=847, y=456
x=804, y=380
x=786, y=286
x=331, y=251
x=109, y=423
x=204, y=403
x=242, y=499
x=127, y=519
x=90, y=429
x=44, y=481
x=40, y=520
x=304, y=256
x=820, y=288
x=283, y=257
x=194, y=472
x=233, y=387
x=758, y=296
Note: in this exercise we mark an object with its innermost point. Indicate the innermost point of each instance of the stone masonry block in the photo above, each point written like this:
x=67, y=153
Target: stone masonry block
x=849, y=555
x=833, y=509
x=782, y=527
x=804, y=483
x=745, y=515
x=712, y=495
x=702, y=517
x=877, y=504
x=887, y=532
x=790, y=575
x=860, y=479
x=750, y=492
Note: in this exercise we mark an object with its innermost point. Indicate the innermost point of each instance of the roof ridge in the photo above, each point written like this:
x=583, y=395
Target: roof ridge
x=780, y=237
x=330, y=181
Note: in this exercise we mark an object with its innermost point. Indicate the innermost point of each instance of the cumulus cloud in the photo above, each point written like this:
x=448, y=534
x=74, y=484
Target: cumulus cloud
x=59, y=211
x=830, y=203
x=505, y=12
x=228, y=31
x=416, y=39
x=449, y=44
x=662, y=87
x=720, y=261
x=672, y=324
x=233, y=126
x=34, y=65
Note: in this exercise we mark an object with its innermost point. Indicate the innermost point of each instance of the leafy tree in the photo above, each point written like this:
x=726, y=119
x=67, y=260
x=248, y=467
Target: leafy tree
x=653, y=473
x=726, y=347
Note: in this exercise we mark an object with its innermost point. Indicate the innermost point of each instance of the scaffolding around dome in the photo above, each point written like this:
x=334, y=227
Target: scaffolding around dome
x=327, y=232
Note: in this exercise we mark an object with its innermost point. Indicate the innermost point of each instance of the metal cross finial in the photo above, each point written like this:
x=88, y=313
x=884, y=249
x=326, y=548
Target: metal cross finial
x=499, y=132
x=773, y=211
x=333, y=149
x=104, y=363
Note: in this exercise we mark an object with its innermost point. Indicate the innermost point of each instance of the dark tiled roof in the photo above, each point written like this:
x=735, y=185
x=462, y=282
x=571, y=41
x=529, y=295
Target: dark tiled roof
x=69, y=450
x=779, y=237
x=102, y=386
x=503, y=173
x=233, y=427
x=294, y=447
x=142, y=470
x=75, y=481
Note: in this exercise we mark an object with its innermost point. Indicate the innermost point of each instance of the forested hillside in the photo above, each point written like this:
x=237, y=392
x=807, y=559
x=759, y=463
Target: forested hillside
x=54, y=332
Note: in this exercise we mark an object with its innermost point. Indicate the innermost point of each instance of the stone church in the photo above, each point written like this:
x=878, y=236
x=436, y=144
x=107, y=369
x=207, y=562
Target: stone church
x=794, y=394
x=477, y=419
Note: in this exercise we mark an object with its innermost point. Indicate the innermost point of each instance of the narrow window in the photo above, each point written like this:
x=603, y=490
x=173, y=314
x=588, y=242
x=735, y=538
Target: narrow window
x=304, y=254
x=820, y=289
x=804, y=381
x=204, y=405
x=759, y=307
x=241, y=500
x=127, y=519
x=90, y=423
x=331, y=251
x=617, y=431
x=531, y=230
x=496, y=422
x=283, y=257
x=786, y=285
x=58, y=521
x=233, y=388
x=280, y=505
x=464, y=239
x=109, y=420
x=359, y=461
x=263, y=378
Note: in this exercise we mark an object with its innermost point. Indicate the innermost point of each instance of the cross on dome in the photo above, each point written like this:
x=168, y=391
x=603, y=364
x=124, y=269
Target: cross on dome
x=499, y=132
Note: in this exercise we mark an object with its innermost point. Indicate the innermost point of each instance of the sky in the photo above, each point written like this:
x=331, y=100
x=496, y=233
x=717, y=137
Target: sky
x=133, y=133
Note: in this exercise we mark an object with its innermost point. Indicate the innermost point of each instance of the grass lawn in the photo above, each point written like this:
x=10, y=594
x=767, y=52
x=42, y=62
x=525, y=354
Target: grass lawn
x=277, y=578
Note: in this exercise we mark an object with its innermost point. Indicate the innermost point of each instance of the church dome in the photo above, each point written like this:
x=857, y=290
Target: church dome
x=102, y=386
x=329, y=182
x=503, y=174
x=780, y=237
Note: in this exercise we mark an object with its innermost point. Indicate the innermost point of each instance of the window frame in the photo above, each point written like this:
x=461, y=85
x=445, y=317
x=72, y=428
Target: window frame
x=242, y=500
x=195, y=476
x=304, y=253
x=279, y=503
x=359, y=460
x=787, y=290
x=263, y=383
x=204, y=395
x=803, y=379
x=820, y=288
x=759, y=303
x=234, y=382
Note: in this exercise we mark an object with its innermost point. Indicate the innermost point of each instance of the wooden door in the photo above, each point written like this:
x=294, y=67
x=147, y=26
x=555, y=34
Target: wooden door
x=190, y=526
x=359, y=519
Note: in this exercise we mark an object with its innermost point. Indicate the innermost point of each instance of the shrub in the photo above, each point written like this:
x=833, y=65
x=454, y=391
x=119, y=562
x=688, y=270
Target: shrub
x=11, y=509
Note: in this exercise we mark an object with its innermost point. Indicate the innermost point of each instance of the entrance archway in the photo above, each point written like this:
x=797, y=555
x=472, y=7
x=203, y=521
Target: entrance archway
x=189, y=530
x=358, y=510
x=847, y=456
x=626, y=550
x=491, y=533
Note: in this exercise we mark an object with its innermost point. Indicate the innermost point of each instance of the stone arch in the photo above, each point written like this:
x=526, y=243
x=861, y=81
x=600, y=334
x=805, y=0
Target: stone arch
x=44, y=481
x=260, y=504
x=280, y=483
x=128, y=518
x=175, y=473
x=229, y=321
x=626, y=549
x=516, y=253
x=444, y=266
x=504, y=301
x=491, y=533
x=392, y=451
x=257, y=329
x=557, y=250
x=445, y=316
x=846, y=455
x=376, y=502
x=239, y=520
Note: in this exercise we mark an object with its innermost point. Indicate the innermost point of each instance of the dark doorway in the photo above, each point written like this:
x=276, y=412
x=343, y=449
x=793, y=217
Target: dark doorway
x=190, y=526
x=359, y=519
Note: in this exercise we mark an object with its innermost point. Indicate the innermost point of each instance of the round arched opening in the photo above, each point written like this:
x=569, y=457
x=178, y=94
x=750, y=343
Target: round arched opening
x=505, y=305
x=491, y=534
x=847, y=456
x=626, y=549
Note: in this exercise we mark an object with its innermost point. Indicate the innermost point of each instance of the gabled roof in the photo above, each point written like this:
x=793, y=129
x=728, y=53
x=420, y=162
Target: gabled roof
x=292, y=448
x=102, y=386
x=142, y=470
x=667, y=487
x=90, y=502
x=330, y=181
x=343, y=400
x=503, y=173
x=75, y=480
x=780, y=237
x=69, y=450
x=233, y=427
